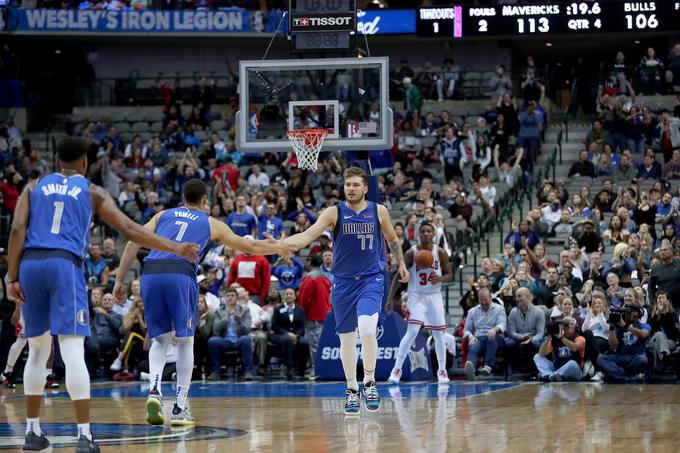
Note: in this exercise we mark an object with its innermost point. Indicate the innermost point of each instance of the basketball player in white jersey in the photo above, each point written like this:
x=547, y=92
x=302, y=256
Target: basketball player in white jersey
x=425, y=304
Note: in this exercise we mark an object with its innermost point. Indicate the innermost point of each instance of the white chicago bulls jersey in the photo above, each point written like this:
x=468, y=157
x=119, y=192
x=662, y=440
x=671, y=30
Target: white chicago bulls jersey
x=419, y=279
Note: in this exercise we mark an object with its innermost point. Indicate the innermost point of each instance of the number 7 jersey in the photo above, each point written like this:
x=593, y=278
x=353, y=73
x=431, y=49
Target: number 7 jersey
x=181, y=225
x=419, y=279
x=60, y=214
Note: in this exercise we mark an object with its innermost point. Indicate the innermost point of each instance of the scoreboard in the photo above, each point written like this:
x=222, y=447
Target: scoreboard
x=558, y=17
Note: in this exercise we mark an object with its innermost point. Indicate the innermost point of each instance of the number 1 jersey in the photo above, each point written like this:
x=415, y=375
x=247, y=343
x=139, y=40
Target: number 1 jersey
x=60, y=214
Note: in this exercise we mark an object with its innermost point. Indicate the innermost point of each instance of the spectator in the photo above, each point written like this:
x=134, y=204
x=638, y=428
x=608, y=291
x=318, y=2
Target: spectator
x=665, y=333
x=413, y=99
x=447, y=80
x=270, y=223
x=252, y=273
x=451, y=154
x=242, y=222
x=95, y=266
x=616, y=233
x=204, y=329
x=11, y=187
x=650, y=70
x=628, y=337
x=500, y=84
x=549, y=289
x=567, y=350
x=260, y=320
x=529, y=137
x=172, y=96
x=418, y=173
x=231, y=330
x=426, y=80
x=288, y=271
x=202, y=97
x=314, y=299
x=564, y=227
x=665, y=277
x=587, y=237
x=288, y=329
x=649, y=168
x=106, y=325
x=258, y=179
x=483, y=196
x=507, y=107
x=669, y=133
x=583, y=167
x=110, y=257
x=327, y=258
x=532, y=89
x=526, y=324
x=134, y=330
x=483, y=328
x=515, y=236
x=551, y=212
x=625, y=171
x=597, y=134
x=673, y=69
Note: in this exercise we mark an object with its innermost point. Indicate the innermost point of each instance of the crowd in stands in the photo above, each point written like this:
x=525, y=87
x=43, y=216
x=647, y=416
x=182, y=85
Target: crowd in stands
x=589, y=271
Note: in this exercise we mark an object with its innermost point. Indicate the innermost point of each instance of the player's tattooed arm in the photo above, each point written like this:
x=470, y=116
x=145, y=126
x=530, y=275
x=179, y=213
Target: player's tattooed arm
x=392, y=241
x=395, y=249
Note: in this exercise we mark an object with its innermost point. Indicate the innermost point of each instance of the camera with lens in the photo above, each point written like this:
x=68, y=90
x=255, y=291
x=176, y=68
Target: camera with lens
x=615, y=314
x=554, y=327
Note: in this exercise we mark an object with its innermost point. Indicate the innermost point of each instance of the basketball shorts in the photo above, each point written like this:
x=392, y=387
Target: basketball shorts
x=354, y=297
x=170, y=303
x=53, y=282
x=427, y=310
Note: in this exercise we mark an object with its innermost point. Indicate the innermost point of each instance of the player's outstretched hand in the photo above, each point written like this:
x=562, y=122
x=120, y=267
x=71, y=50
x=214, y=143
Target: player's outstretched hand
x=15, y=293
x=119, y=293
x=188, y=251
x=403, y=273
x=285, y=249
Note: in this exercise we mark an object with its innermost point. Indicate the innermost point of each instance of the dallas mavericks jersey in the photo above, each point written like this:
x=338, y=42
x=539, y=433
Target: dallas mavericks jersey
x=357, y=242
x=60, y=216
x=182, y=225
x=419, y=279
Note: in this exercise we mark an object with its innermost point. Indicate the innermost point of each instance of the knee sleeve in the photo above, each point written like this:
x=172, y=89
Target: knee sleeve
x=73, y=354
x=368, y=325
x=185, y=360
x=35, y=372
x=15, y=351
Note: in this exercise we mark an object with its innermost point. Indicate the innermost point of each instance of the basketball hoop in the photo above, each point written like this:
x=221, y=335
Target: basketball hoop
x=307, y=145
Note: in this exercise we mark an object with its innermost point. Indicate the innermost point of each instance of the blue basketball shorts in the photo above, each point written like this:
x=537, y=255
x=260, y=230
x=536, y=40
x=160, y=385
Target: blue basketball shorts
x=170, y=303
x=354, y=297
x=53, y=282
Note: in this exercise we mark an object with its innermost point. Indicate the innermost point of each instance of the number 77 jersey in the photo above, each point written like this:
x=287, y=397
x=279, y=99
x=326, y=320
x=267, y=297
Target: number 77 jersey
x=60, y=214
x=181, y=225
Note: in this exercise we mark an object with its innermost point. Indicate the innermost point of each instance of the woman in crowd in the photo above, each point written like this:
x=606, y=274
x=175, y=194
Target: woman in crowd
x=621, y=264
x=134, y=330
x=615, y=233
x=665, y=333
x=595, y=329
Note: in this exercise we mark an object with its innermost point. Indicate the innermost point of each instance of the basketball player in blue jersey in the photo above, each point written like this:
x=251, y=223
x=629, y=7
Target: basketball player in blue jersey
x=358, y=273
x=170, y=291
x=47, y=246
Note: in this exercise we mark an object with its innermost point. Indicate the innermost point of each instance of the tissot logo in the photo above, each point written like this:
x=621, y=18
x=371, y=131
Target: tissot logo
x=322, y=22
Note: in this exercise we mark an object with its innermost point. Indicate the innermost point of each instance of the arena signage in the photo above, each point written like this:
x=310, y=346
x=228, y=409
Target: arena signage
x=322, y=22
x=231, y=20
x=327, y=363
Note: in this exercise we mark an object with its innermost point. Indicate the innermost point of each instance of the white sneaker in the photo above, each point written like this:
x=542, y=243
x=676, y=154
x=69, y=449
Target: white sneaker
x=598, y=377
x=470, y=371
x=117, y=365
x=442, y=377
x=144, y=376
x=486, y=370
x=395, y=376
x=588, y=369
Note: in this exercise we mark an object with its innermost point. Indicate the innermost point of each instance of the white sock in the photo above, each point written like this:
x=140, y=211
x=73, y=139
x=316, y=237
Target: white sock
x=405, y=344
x=185, y=367
x=33, y=425
x=369, y=345
x=348, y=357
x=84, y=430
x=157, y=357
x=440, y=348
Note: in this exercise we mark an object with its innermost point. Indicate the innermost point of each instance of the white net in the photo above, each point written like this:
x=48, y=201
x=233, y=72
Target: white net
x=307, y=145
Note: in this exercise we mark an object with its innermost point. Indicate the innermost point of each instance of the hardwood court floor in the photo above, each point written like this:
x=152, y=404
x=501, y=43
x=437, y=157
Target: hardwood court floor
x=306, y=417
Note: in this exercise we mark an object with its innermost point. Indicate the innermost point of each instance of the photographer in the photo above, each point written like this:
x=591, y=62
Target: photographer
x=628, y=337
x=567, y=350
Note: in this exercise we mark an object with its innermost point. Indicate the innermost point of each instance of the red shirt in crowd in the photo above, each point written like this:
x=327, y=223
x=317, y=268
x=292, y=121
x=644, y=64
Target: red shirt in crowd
x=11, y=196
x=227, y=174
x=315, y=296
x=252, y=273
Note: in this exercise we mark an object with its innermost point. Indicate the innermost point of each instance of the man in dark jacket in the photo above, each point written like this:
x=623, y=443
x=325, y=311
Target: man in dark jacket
x=106, y=326
x=583, y=167
x=288, y=329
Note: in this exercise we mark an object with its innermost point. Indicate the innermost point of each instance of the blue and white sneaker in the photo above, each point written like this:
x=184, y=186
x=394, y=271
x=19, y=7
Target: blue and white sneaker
x=372, y=398
x=352, y=406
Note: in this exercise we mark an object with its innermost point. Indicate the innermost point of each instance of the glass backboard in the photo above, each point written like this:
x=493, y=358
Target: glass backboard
x=346, y=96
